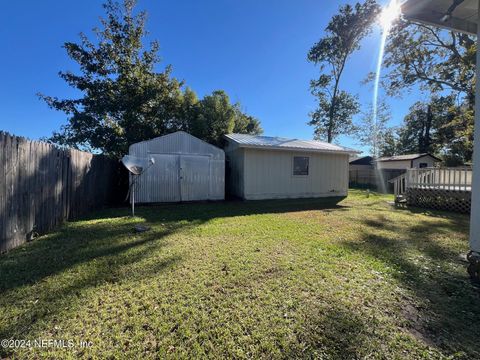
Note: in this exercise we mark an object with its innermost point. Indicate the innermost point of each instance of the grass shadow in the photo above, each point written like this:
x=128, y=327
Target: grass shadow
x=211, y=210
x=445, y=310
x=56, y=271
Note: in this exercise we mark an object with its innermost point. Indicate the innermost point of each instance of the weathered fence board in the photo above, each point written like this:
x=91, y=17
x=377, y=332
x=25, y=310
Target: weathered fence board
x=41, y=186
x=373, y=178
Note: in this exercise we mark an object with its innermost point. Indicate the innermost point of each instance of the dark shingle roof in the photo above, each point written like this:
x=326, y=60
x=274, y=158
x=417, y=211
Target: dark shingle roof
x=364, y=160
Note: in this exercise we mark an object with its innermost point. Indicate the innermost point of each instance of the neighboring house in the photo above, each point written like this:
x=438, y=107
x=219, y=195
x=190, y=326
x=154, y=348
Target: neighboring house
x=362, y=163
x=263, y=167
x=404, y=162
x=185, y=169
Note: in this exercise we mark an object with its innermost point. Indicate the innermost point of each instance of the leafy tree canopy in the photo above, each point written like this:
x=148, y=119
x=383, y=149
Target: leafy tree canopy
x=388, y=143
x=435, y=59
x=370, y=131
x=342, y=38
x=333, y=119
x=438, y=126
x=442, y=63
x=125, y=100
x=215, y=116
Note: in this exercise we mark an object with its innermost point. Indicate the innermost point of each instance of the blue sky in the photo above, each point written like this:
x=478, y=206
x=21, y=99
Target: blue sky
x=255, y=50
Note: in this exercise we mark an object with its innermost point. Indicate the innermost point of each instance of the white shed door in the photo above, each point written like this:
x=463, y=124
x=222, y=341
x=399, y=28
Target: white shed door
x=163, y=179
x=194, y=177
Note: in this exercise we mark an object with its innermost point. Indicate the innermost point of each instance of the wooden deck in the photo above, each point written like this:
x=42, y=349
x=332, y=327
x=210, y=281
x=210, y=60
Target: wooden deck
x=437, y=188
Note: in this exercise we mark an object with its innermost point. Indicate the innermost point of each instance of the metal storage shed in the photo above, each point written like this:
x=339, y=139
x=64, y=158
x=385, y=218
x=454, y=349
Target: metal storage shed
x=185, y=169
x=264, y=167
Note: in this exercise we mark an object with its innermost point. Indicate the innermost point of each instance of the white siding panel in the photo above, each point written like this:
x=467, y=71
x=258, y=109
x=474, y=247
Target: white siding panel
x=268, y=174
x=425, y=159
x=396, y=165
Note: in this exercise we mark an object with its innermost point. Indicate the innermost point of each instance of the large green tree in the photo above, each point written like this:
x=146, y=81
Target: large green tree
x=388, y=143
x=343, y=35
x=124, y=98
x=437, y=126
x=215, y=115
x=437, y=60
x=441, y=63
x=417, y=133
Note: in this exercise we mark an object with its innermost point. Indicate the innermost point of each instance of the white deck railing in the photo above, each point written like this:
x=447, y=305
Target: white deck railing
x=399, y=184
x=458, y=179
x=454, y=179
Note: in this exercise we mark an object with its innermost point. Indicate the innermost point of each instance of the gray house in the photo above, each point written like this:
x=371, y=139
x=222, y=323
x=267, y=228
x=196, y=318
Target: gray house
x=263, y=167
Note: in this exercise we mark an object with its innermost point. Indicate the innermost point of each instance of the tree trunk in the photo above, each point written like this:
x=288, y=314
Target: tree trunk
x=332, y=113
x=427, y=141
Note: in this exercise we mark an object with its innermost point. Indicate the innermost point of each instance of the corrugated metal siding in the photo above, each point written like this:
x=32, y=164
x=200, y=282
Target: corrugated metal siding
x=180, y=143
x=194, y=177
x=160, y=182
x=185, y=169
x=269, y=174
x=217, y=179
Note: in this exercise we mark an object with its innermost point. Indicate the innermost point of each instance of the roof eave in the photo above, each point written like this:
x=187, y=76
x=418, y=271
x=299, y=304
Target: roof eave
x=422, y=11
x=453, y=24
x=286, y=148
x=410, y=159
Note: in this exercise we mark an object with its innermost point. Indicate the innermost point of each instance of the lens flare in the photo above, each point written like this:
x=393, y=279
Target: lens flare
x=389, y=14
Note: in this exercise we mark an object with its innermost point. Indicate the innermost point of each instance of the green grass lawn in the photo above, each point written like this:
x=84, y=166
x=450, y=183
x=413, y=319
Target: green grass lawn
x=269, y=279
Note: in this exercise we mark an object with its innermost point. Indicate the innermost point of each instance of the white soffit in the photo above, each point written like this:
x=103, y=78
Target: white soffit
x=457, y=15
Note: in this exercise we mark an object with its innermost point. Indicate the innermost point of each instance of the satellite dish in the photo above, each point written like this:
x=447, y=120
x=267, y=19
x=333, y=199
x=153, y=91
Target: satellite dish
x=137, y=166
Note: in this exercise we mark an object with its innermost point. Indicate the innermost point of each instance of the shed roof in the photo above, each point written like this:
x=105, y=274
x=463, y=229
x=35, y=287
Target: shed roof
x=406, y=157
x=178, y=142
x=279, y=143
x=364, y=160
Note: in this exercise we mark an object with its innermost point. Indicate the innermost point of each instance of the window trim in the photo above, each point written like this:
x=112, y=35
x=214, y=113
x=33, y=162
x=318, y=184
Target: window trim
x=293, y=166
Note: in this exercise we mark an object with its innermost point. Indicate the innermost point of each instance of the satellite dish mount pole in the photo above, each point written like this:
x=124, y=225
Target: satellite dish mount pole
x=133, y=195
x=136, y=166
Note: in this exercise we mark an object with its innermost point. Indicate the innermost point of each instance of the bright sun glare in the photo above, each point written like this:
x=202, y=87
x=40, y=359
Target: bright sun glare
x=389, y=14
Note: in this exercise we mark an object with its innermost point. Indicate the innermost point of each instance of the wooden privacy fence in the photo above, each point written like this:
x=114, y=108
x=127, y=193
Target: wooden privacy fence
x=373, y=178
x=41, y=186
x=362, y=177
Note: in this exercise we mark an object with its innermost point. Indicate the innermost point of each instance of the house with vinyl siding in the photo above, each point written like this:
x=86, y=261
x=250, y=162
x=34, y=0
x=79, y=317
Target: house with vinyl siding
x=264, y=167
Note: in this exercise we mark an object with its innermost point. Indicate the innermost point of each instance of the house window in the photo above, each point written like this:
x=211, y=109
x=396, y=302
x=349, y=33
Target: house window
x=423, y=165
x=300, y=165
